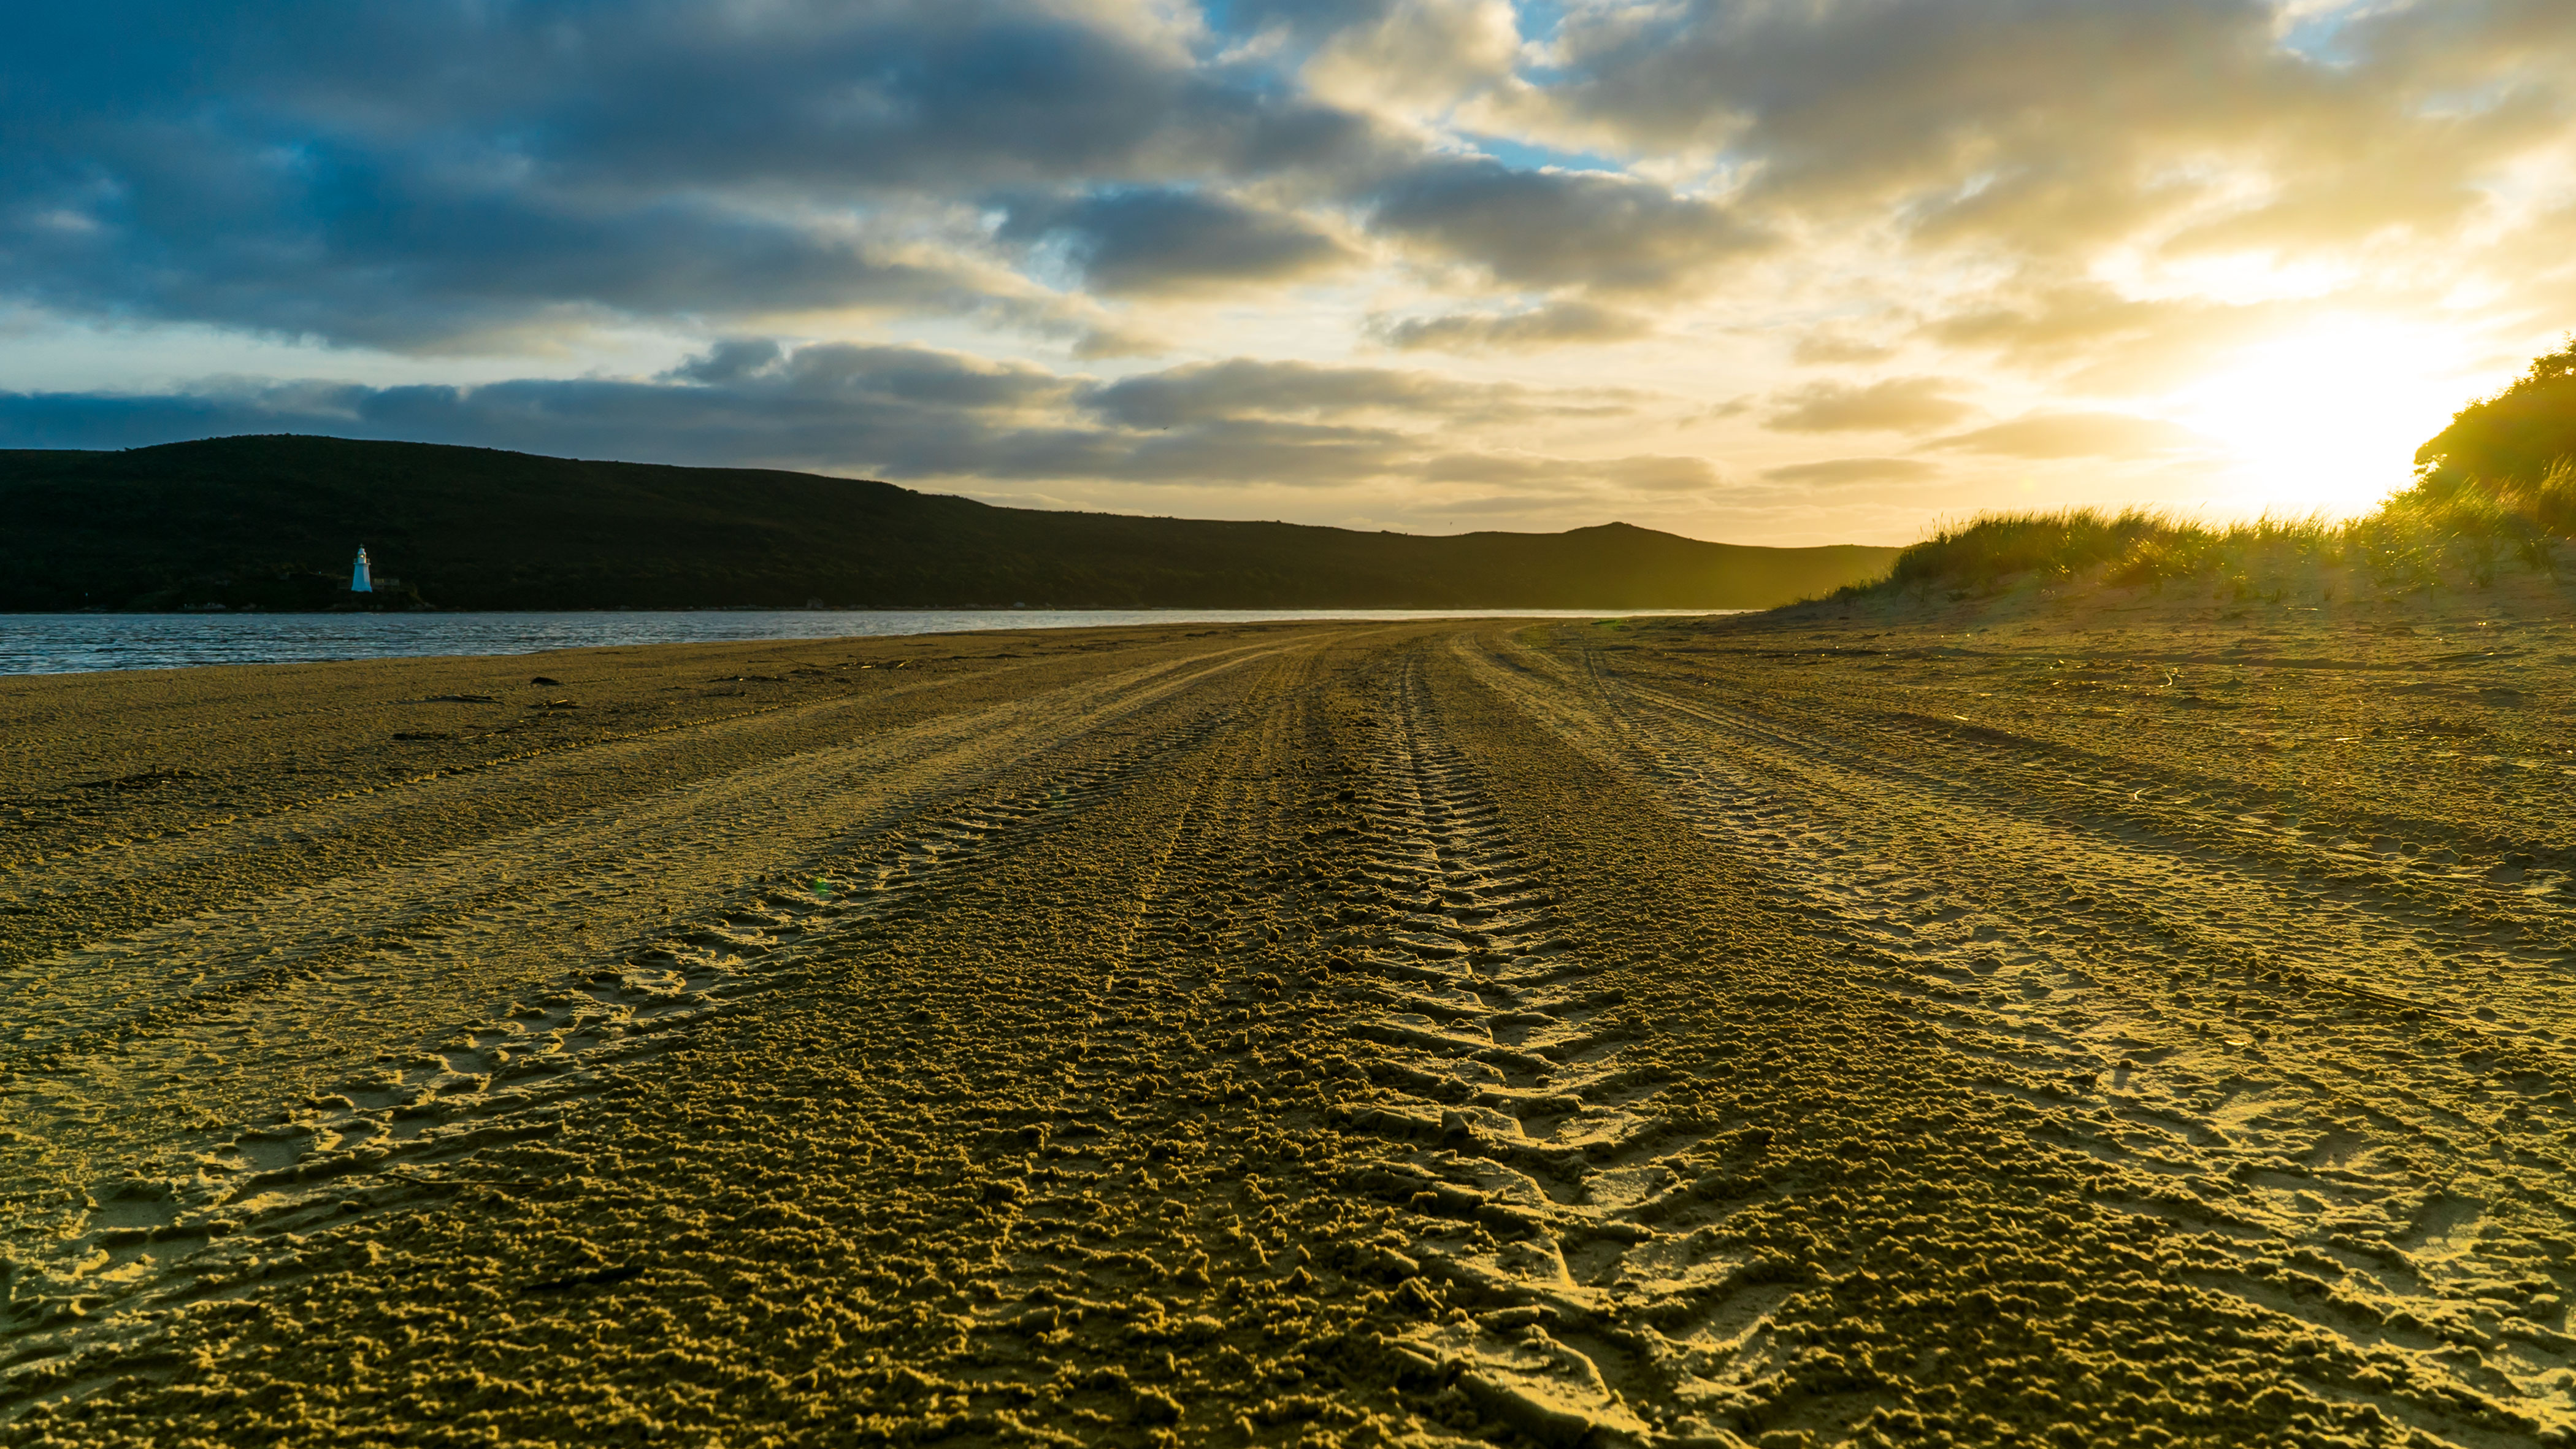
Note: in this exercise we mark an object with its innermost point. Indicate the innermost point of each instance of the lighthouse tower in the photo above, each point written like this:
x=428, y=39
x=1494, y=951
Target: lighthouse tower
x=359, y=583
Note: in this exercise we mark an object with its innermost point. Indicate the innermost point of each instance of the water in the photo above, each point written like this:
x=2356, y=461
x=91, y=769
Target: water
x=77, y=643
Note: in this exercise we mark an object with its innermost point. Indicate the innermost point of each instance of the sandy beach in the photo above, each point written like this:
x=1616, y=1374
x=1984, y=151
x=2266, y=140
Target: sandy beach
x=2092, y=1023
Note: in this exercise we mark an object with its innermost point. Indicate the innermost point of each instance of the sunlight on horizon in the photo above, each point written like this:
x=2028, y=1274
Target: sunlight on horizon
x=2327, y=419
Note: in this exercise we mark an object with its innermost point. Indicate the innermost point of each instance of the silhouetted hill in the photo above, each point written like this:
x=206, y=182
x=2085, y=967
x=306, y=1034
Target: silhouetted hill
x=275, y=521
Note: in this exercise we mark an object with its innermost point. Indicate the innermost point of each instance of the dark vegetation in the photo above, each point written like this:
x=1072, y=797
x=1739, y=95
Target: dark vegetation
x=274, y=522
x=2497, y=487
x=2521, y=434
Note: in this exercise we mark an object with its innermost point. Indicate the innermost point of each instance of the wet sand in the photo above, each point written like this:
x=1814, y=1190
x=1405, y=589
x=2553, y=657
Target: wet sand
x=2087, y=1022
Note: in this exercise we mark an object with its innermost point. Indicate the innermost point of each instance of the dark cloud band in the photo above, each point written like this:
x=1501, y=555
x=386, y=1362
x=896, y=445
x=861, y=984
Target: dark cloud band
x=917, y=413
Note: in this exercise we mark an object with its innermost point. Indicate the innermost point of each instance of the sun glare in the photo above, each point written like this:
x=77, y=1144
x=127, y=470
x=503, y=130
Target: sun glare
x=2325, y=419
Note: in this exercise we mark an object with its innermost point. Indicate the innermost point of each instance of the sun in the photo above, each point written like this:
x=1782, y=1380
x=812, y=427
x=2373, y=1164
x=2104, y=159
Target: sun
x=2327, y=418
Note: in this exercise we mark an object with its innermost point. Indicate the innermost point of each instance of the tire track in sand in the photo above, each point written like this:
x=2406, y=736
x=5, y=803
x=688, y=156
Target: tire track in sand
x=1526, y=1143
x=1376, y=1067
x=2355, y=881
x=379, y=1136
x=2361, y=1211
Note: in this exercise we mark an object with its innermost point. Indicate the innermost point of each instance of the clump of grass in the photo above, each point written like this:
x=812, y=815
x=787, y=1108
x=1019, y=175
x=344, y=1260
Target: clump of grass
x=2133, y=547
x=2508, y=510
x=1981, y=553
x=2442, y=526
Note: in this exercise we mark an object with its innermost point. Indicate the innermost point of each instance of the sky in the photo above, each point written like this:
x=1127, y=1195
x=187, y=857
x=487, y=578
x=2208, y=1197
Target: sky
x=1759, y=271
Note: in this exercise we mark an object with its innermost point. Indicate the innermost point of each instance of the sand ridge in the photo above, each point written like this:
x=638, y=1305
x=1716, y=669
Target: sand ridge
x=1673, y=1033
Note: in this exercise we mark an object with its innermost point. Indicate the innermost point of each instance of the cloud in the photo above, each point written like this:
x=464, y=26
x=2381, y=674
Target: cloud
x=1658, y=473
x=1734, y=407
x=730, y=360
x=1551, y=228
x=1832, y=471
x=344, y=250
x=1417, y=55
x=2098, y=339
x=1831, y=347
x=1198, y=391
x=315, y=173
x=2073, y=435
x=447, y=176
x=1897, y=405
x=1553, y=324
x=906, y=412
x=1165, y=240
x=2045, y=127
x=1642, y=472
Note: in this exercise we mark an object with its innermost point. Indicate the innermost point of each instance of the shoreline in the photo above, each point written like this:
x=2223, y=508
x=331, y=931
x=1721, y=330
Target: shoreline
x=205, y=639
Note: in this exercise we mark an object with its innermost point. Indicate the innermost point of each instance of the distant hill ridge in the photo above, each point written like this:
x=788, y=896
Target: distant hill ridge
x=274, y=520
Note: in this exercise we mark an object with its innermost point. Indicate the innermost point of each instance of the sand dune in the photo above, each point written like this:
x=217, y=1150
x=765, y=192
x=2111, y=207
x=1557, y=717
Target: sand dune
x=1777, y=1031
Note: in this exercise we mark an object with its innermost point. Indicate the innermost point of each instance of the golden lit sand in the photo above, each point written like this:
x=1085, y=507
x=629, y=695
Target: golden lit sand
x=2041, y=1024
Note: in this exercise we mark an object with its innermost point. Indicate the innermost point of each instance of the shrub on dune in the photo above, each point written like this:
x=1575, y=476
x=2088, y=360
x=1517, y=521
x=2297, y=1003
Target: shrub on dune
x=2516, y=440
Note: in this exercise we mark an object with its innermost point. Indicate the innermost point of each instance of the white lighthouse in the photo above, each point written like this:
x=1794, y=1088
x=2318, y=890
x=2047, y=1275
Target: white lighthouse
x=359, y=583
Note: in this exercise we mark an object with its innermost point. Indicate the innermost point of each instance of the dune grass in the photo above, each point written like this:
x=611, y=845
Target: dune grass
x=2498, y=485
x=2445, y=526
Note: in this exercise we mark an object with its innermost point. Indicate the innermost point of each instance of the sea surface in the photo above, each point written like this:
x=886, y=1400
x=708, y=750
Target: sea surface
x=77, y=643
